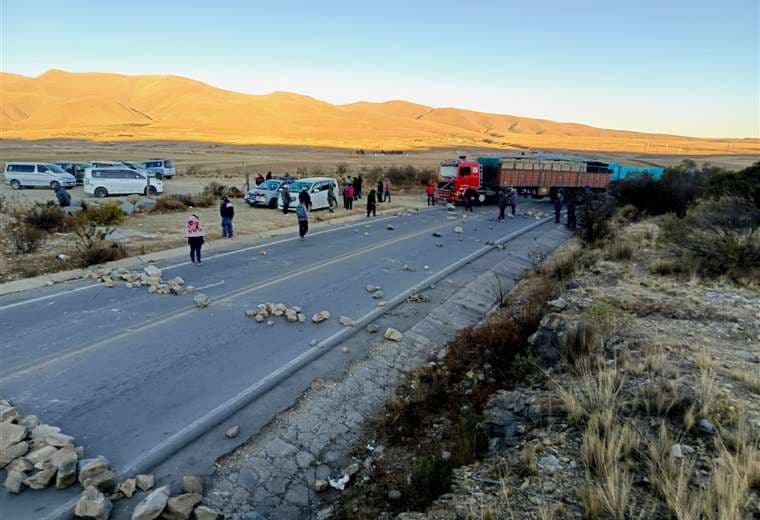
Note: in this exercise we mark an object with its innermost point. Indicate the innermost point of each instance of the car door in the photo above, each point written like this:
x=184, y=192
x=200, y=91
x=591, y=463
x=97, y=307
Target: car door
x=319, y=197
x=42, y=176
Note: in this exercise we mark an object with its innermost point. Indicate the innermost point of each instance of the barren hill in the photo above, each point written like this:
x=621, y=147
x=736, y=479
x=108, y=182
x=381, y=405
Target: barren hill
x=97, y=106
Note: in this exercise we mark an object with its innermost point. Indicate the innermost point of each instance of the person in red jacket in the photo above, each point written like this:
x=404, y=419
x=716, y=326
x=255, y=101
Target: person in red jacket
x=430, y=190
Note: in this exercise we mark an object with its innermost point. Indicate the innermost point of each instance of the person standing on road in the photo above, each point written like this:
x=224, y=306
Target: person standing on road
x=557, y=207
x=430, y=191
x=469, y=198
x=387, y=190
x=502, y=204
x=227, y=212
x=512, y=201
x=194, y=234
x=371, y=203
x=303, y=220
x=64, y=199
x=304, y=198
x=331, y=199
x=285, y=194
x=350, y=196
x=359, y=184
x=379, y=191
x=571, y=210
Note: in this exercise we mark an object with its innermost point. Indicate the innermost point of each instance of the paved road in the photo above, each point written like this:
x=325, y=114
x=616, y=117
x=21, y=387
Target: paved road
x=123, y=370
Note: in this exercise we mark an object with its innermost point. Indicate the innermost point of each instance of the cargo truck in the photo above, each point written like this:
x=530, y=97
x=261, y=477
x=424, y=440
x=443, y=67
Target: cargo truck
x=535, y=175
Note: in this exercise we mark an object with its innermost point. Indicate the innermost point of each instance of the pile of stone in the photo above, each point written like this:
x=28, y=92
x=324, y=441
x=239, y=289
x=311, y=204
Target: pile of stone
x=418, y=298
x=265, y=310
x=375, y=291
x=534, y=213
x=35, y=455
x=150, y=277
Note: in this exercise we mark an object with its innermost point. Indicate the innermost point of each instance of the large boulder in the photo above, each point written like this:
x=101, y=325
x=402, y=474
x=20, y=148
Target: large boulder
x=7, y=455
x=153, y=505
x=42, y=478
x=11, y=434
x=14, y=482
x=93, y=505
x=127, y=207
x=206, y=513
x=145, y=204
x=65, y=462
x=392, y=334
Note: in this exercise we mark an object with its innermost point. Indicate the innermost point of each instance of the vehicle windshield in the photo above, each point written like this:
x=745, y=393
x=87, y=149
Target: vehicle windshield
x=168, y=164
x=55, y=168
x=270, y=185
x=300, y=186
x=132, y=165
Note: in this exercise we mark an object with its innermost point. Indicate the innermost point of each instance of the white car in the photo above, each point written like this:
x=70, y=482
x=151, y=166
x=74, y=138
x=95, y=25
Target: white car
x=317, y=188
x=102, y=182
x=22, y=174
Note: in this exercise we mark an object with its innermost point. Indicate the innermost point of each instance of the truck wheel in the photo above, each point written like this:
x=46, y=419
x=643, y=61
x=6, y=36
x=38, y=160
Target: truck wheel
x=101, y=192
x=55, y=185
x=153, y=191
x=15, y=185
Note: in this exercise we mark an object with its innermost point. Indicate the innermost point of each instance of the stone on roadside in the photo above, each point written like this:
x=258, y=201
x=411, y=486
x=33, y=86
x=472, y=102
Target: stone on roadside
x=152, y=271
x=320, y=317
x=59, y=440
x=372, y=328
x=407, y=267
x=389, y=227
x=145, y=481
x=232, y=432
x=206, y=513
x=40, y=455
x=153, y=505
x=93, y=505
x=14, y=482
x=20, y=464
x=201, y=300
x=320, y=485
x=344, y=349
x=291, y=316
x=252, y=313
x=192, y=484
x=372, y=288
x=392, y=334
x=11, y=434
x=181, y=506
x=346, y=321
x=189, y=289
x=378, y=295
x=88, y=468
x=459, y=229
x=65, y=462
x=301, y=317
x=128, y=487
x=41, y=479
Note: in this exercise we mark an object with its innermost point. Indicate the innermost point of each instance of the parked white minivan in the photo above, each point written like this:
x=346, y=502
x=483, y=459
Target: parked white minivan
x=102, y=182
x=317, y=188
x=29, y=174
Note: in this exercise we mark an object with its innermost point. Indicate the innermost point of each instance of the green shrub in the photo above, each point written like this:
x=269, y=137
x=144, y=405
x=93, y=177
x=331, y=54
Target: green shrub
x=430, y=478
x=46, y=216
x=744, y=183
x=234, y=192
x=109, y=214
x=594, y=214
x=196, y=200
x=24, y=238
x=665, y=267
x=619, y=250
x=168, y=203
x=92, y=245
x=215, y=188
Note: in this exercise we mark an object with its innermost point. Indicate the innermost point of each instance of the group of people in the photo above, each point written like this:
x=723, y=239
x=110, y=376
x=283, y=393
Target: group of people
x=260, y=178
x=567, y=200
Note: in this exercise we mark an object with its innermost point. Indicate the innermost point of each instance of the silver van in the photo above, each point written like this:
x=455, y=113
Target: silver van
x=163, y=168
x=29, y=174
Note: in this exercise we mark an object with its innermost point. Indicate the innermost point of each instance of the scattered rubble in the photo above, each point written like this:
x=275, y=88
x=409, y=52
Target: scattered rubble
x=392, y=334
x=145, y=482
x=150, y=277
x=152, y=505
x=418, y=298
x=232, y=432
x=346, y=321
x=320, y=316
x=201, y=300
x=265, y=310
x=192, y=484
x=93, y=505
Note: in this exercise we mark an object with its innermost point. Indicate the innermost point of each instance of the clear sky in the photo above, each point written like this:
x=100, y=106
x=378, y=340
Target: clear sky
x=676, y=66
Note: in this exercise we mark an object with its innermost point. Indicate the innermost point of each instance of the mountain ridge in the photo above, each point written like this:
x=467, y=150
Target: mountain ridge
x=111, y=106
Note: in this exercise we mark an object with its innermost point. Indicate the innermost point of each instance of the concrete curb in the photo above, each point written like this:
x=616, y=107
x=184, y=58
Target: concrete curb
x=189, y=433
x=214, y=245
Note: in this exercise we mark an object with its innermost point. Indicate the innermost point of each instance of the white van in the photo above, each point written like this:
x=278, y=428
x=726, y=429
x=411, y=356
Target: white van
x=102, y=182
x=163, y=168
x=28, y=174
x=317, y=187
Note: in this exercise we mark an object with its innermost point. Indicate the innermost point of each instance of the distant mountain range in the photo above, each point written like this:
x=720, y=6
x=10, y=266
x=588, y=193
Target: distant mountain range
x=100, y=106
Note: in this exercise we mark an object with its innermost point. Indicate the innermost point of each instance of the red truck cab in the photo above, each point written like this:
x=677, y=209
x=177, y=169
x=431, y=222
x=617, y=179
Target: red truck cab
x=456, y=176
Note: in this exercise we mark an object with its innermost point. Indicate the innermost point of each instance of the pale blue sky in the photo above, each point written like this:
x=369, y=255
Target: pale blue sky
x=676, y=66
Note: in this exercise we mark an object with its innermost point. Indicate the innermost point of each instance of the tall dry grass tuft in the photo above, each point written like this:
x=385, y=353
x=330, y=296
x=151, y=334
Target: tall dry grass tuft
x=597, y=389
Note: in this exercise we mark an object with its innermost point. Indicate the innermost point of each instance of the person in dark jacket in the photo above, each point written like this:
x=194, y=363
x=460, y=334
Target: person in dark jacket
x=227, y=212
x=372, y=203
x=285, y=196
x=355, y=186
x=512, y=200
x=502, y=204
x=358, y=187
x=470, y=195
x=571, y=211
x=557, y=207
x=259, y=179
x=64, y=199
x=379, y=190
x=269, y=175
x=302, y=214
x=304, y=198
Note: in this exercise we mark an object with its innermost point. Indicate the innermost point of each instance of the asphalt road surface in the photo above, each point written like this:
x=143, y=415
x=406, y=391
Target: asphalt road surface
x=123, y=370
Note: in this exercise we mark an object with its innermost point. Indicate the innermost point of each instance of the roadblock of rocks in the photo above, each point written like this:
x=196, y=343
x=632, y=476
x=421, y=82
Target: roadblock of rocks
x=150, y=277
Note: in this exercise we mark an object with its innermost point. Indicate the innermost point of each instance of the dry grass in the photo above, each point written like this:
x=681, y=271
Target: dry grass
x=750, y=378
x=606, y=442
x=595, y=391
x=704, y=360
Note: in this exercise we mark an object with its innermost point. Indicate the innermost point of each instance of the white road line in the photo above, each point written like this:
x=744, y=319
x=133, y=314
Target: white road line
x=217, y=284
x=181, y=264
